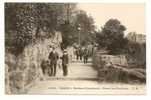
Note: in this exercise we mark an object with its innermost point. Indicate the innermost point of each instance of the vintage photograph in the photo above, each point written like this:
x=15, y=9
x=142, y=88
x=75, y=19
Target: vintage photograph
x=75, y=48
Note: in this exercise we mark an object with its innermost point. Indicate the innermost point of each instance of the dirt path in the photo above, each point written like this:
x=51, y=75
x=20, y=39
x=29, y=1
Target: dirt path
x=77, y=70
x=81, y=80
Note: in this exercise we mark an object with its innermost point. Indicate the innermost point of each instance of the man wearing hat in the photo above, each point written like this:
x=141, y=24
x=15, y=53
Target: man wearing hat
x=53, y=57
x=65, y=62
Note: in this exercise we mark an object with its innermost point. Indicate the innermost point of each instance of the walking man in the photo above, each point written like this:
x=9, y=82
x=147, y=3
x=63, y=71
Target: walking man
x=81, y=53
x=53, y=57
x=85, y=55
x=77, y=53
x=65, y=62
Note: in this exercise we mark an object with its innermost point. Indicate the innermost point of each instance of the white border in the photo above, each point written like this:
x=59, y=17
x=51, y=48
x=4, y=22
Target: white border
x=148, y=42
x=81, y=1
x=48, y=97
x=1, y=48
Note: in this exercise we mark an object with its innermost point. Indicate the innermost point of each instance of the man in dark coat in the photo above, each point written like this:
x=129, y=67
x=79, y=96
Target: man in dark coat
x=65, y=62
x=53, y=57
x=85, y=55
x=80, y=53
x=77, y=54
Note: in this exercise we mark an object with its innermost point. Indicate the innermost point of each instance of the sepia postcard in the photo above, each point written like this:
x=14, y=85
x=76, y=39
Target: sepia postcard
x=75, y=48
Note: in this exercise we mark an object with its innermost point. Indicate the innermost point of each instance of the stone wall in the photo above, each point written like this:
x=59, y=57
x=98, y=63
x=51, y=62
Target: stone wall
x=118, y=59
x=115, y=68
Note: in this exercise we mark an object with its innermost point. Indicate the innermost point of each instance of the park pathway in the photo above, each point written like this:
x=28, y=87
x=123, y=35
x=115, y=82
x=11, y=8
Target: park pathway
x=77, y=70
x=81, y=79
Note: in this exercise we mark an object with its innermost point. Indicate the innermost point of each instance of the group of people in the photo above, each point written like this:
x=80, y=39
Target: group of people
x=55, y=60
x=50, y=66
x=82, y=54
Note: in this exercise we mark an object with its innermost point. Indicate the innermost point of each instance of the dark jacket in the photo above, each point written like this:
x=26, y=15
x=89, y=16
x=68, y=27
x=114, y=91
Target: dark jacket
x=53, y=56
x=65, y=59
x=85, y=53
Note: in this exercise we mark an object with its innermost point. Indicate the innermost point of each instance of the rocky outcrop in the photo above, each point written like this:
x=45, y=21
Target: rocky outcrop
x=22, y=71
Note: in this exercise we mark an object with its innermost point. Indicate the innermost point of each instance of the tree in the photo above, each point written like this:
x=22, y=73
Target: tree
x=67, y=27
x=87, y=27
x=30, y=22
x=25, y=21
x=51, y=16
x=112, y=36
x=70, y=32
x=20, y=23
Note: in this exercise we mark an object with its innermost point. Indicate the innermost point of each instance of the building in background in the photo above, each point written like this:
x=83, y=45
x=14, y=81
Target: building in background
x=134, y=37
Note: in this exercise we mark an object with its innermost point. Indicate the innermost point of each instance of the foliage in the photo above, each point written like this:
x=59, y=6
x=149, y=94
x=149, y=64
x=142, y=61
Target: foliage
x=68, y=34
x=28, y=22
x=137, y=51
x=112, y=36
x=87, y=27
x=70, y=30
x=20, y=22
x=25, y=21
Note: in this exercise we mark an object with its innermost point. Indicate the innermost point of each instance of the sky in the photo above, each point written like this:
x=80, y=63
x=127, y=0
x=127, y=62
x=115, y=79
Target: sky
x=130, y=15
